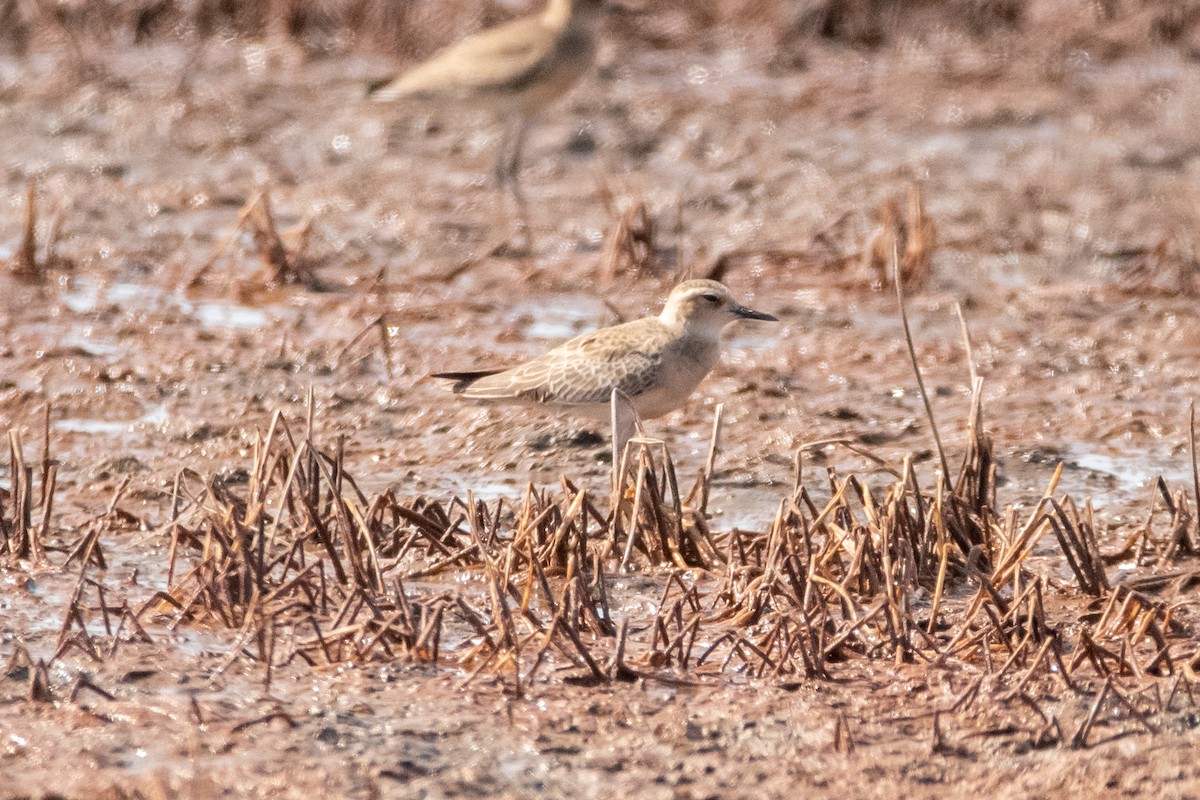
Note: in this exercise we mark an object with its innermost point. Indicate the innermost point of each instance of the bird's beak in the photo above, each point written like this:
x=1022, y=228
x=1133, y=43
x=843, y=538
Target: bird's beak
x=749, y=313
x=625, y=9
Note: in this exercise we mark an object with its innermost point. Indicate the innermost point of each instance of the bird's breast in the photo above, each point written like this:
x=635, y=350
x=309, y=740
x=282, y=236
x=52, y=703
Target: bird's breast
x=680, y=372
x=570, y=58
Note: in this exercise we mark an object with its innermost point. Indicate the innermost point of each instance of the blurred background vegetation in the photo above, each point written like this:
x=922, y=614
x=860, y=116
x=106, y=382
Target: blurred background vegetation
x=1107, y=29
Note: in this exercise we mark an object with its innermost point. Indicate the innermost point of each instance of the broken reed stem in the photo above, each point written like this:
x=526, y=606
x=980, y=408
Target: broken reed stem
x=244, y=213
x=617, y=450
x=912, y=352
x=710, y=462
x=634, y=527
x=966, y=336
x=1192, y=451
x=26, y=265
x=377, y=324
x=279, y=264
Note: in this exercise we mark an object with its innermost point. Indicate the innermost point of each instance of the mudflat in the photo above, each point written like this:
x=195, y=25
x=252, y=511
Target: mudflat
x=248, y=549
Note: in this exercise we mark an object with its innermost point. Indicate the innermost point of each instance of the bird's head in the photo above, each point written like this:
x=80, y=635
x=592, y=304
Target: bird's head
x=705, y=306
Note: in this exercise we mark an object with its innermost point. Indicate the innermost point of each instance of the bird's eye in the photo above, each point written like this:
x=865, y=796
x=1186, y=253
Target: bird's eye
x=712, y=299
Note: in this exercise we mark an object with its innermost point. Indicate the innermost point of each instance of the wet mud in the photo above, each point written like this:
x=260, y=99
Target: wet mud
x=1060, y=184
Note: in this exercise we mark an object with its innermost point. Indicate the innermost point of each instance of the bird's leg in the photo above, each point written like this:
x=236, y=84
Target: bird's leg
x=512, y=168
x=501, y=171
x=624, y=425
x=508, y=165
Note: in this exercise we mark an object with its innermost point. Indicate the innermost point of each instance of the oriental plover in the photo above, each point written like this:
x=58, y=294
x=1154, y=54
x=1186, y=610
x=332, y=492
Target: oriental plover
x=654, y=364
x=516, y=69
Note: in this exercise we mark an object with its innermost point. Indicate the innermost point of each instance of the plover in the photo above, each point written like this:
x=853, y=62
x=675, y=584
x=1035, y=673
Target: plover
x=654, y=362
x=518, y=69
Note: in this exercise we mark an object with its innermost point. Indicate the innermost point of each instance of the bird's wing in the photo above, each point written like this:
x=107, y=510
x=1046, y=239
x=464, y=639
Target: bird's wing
x=491, y=59
x=584, y=371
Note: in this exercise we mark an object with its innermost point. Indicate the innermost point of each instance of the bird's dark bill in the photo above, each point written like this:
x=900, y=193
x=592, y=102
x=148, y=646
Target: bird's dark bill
x=749, y=313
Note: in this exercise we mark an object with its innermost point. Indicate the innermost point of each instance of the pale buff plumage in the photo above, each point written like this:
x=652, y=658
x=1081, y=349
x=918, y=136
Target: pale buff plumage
x=518, y=68
x=655, y=362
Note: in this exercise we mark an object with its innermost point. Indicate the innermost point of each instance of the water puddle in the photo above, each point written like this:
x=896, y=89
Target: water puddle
x=86, y=295
x=746, y=508
x=227, y=315
x=558, y=320
x=92, y=347
x=156, y=417
x=1110, y=477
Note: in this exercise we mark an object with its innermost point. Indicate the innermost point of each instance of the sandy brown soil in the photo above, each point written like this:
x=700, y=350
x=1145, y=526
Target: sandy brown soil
x=1051, y=171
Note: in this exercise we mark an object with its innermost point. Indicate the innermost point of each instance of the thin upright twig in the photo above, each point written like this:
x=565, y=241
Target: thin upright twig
x=912, y=352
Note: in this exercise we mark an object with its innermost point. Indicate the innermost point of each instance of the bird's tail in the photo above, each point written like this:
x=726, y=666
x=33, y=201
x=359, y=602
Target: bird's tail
x=383, y=90
x=464, y=380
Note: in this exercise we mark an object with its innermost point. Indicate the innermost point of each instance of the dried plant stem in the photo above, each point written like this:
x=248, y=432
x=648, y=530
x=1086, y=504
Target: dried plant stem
x=912, y=352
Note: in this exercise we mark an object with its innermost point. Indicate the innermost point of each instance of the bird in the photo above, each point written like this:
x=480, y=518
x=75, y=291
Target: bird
x=518, y=69
x=654, y=363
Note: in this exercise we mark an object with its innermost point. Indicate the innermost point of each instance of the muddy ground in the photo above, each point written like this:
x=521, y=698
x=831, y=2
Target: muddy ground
x=1058, y=161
